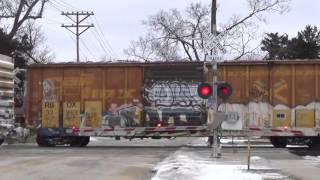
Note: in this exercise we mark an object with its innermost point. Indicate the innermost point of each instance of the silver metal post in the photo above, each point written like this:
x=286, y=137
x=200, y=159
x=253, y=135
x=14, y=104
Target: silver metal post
x=216, y=144
x=82, y=123
x=249, y=151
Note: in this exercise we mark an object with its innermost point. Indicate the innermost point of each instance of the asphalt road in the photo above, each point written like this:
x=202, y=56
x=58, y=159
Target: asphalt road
x=106, y=158
x=102, y=159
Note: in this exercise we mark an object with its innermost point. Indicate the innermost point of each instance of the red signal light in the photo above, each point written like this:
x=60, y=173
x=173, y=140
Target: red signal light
x=205, y=90
x=224, y=90
x=159, y=125
x=74, y=130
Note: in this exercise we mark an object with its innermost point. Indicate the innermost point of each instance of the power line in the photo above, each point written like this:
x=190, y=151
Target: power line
x=78, y=25
x=100, y=36
x=100, y=41
x=61, y=6
x=82, y=52
x=91, y=44
x=52, y=21
x=67, y=5
x=104, y=37
x=86, y=47
x=55, y=6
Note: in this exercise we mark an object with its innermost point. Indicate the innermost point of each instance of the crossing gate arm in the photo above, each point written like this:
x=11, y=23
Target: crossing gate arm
x=176, y=131
x=189, y=131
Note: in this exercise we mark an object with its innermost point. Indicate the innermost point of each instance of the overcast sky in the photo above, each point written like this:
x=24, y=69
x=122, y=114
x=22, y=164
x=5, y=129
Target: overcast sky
x=119, y=22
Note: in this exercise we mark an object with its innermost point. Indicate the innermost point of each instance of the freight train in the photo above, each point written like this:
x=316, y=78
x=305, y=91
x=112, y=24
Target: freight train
x=69, y=102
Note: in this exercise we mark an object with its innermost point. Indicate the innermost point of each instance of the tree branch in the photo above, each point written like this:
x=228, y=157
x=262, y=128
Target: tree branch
x=254, y=12
x=27, y=15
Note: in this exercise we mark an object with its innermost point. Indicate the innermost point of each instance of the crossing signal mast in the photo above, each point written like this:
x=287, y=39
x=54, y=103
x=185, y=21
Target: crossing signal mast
x=222, y=90
x=80, y=28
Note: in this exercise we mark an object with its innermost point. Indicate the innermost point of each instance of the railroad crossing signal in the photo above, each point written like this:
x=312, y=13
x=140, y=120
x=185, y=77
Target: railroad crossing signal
x=224, y=90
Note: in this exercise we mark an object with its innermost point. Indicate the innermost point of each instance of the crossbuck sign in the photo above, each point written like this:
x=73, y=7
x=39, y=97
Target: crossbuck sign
x=211, y=41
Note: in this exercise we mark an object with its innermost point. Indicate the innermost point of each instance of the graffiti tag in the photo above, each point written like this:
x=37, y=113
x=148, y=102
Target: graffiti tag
x=172, y=93
x=259, y=91
x=48, y=90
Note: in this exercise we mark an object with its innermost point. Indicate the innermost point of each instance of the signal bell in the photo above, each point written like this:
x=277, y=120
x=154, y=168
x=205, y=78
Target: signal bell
x=205, y=90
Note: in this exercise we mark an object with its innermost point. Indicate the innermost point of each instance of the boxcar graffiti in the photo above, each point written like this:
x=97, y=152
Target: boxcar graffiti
x=172, y=93
x=281, y=95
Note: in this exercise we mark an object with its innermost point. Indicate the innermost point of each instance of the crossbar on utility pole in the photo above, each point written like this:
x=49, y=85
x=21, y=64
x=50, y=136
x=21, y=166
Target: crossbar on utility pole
x=77, y=25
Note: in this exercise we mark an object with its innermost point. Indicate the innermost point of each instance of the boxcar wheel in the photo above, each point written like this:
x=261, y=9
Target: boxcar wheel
x=85, y=141
x=278, y=142
x=313, y=143
x=79, y=141
x=75, y=142
x=42, y=142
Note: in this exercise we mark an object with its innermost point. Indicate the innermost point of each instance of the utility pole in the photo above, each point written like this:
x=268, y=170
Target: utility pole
x=79, y=18
x=214, y=18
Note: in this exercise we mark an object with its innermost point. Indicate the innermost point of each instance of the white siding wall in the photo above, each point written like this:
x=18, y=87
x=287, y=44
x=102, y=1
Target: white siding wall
x=6, y=90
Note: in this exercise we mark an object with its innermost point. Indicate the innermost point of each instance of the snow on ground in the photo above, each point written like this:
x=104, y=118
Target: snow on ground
x=192, y=141
x=235, y=141
x=97, y=139
x=315, y=160
x=188, y=165
x=255, y=158
x=146, y=142
x=200, y=142
x=93, y=139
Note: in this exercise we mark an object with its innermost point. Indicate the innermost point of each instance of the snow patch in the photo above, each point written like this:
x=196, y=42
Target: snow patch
x=199, y=142
x=235, y=141
x=227, y=141
x=315, y=160
x=187, y=165
x=93, y=139
x=255, y=158
x=311, y=105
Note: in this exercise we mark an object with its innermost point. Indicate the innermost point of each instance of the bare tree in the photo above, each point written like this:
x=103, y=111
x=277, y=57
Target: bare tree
x=19, y=17
x=173, y=35
x=39, y=53
x=20, y=11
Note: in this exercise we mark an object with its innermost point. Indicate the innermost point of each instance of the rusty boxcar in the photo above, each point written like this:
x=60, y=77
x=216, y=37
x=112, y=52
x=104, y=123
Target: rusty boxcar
x=115, y=99
x=276, y=99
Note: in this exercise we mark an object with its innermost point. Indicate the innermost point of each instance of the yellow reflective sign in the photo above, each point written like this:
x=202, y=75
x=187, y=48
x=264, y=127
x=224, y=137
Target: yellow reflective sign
x=71, y=114
x=50, y=114
x=281, y=118
x=93, y=111
x=305, y=118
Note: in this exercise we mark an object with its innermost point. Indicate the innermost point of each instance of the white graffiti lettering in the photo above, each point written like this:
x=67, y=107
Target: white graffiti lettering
x=172, y=93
